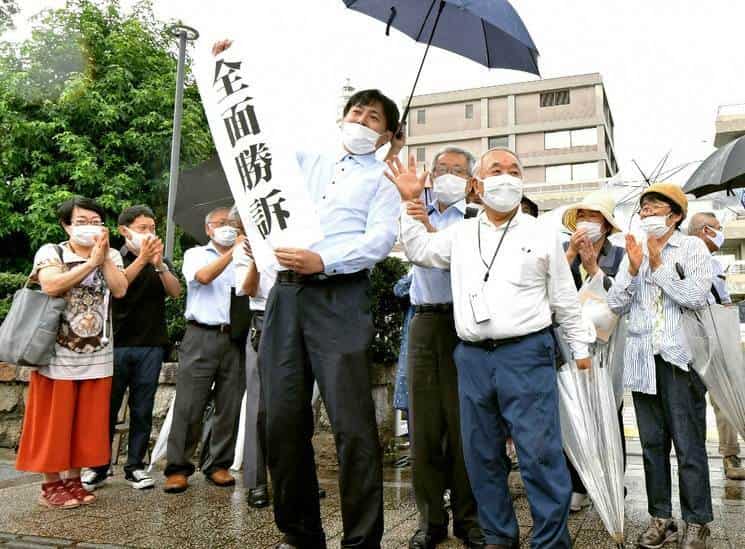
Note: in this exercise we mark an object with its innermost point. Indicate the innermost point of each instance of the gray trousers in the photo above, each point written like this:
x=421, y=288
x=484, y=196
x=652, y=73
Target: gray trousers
x=321, y=331
x=728, y=445
x=434, y=424
x=254, y=441
x=206, y=357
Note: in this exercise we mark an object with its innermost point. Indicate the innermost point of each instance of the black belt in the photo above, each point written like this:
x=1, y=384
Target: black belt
x=491, y=344
x=222, y=328
x=291, y=277
x=434, y=308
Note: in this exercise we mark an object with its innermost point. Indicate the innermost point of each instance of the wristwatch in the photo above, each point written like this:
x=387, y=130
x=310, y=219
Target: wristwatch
x=165, y=269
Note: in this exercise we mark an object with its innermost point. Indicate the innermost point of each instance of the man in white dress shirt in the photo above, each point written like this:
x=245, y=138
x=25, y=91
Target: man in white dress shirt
x=508, y=278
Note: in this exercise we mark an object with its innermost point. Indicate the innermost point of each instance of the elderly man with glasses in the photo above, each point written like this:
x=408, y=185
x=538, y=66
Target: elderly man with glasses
x=208, y=354
x=434, y=420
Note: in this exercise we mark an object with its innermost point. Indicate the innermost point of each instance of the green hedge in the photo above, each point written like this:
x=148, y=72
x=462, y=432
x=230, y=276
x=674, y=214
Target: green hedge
x=386, y=309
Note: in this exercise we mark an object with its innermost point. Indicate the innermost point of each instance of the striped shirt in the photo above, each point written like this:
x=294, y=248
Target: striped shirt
x=651, y=327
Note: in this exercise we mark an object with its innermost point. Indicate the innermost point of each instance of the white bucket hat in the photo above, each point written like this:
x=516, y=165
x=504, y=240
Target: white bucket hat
x=597, y=201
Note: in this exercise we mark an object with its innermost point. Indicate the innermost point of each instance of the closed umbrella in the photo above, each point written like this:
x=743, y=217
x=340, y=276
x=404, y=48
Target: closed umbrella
x=723, y=170
x=591, y=435
x=713, y=334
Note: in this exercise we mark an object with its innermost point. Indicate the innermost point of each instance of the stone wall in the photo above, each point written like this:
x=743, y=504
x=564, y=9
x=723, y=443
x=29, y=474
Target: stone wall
x=14, y=388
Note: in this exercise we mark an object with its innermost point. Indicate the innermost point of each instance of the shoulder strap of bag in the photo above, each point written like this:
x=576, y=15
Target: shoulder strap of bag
x=59, y=251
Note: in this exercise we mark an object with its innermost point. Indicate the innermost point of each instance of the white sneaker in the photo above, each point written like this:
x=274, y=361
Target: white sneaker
x=92, y=480
x=578, y=502
x=140, y=480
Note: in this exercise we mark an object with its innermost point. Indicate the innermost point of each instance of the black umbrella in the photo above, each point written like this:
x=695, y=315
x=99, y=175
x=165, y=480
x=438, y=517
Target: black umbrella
x=723, y=170
x=487, y=31
x=201, y=190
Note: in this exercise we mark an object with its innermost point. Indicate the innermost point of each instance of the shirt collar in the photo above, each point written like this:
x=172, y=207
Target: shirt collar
x=361, y=159
x=675, y=239
x=483, y=219
x=460, y=206
x=69, y=256
x=211, y=246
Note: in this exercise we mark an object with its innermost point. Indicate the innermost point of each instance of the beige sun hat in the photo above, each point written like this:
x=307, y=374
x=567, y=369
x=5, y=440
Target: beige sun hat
x=597, y=201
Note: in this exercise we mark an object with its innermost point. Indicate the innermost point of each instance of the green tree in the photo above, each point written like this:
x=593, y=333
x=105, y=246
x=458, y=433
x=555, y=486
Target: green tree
x=8, y=8
x=86, y=107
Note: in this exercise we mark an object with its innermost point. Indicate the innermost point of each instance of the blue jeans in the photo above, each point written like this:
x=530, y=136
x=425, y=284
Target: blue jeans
x=675, y=415
x=511, y=390
x=136, y=369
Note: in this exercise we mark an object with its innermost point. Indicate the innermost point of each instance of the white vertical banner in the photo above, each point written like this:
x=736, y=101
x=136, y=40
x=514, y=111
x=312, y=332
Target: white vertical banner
x=268, y=189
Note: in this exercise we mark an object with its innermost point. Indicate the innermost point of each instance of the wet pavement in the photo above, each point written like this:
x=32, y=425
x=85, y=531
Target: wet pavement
x=208, y=516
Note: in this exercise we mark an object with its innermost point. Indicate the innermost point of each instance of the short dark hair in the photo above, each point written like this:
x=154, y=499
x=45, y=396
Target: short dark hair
x=364, y=98
x=674, y=208
x=127, y=217
x=64, y=210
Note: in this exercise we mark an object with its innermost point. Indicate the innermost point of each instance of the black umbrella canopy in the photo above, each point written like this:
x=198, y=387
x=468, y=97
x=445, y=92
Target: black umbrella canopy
x=201, y=190
x=723, y=170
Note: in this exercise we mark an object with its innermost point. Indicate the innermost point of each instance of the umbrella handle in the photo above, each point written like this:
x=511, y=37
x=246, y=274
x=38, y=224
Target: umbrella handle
x=421, y=65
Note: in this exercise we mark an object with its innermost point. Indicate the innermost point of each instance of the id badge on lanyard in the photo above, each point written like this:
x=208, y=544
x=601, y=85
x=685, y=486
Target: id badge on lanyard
x=477, y=298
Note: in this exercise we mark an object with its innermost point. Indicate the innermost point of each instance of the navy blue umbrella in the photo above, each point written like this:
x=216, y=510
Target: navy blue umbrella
x=488, y=31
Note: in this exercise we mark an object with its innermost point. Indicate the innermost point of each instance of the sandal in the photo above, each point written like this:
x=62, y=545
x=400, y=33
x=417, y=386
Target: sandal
x=56, y=496
x=75, y=487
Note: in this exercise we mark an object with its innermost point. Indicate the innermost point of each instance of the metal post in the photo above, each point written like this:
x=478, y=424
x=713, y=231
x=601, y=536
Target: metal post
x=183, y=33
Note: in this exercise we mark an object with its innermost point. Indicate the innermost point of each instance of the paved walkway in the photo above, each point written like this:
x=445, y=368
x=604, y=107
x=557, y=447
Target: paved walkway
x=207, y=516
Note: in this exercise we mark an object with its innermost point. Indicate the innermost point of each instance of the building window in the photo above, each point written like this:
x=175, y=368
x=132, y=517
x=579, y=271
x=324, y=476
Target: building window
x=561, y=173
x=586, y=137
x=469, y=110
x=421, y=117
x=499, y=141
x=557, y=140
x=555, y=98
x=420, y=154
x=567, y=139
x=585, y=172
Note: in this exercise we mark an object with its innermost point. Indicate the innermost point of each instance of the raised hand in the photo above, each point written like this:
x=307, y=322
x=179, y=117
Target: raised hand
x=409, y=184
x=220, y=46
x=636, y=254
x=417, y=210
x=157, y=249
x=100, y=250
x=655, y=245
x=149, y=249
x=589, y=256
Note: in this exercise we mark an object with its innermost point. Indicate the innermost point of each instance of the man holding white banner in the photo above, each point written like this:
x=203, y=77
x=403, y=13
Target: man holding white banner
x=318, y=326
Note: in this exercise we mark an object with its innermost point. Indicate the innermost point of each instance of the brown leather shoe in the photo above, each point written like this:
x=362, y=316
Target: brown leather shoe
x=221, y=477
x=175, y=484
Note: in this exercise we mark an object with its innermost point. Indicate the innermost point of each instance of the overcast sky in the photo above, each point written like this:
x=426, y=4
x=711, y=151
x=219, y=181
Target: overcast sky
x=667, y=65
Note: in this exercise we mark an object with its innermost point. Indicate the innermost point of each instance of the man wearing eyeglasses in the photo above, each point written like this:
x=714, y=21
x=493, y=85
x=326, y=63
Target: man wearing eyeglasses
x=434, y=421
x=208, y=354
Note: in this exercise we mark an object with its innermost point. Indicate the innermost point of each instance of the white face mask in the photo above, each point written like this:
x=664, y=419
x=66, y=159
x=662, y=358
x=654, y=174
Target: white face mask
x=358, y=139
x=449, y=189
x=593, y=230
x=717, y=239
x=84, y=235
x=655, y=225
x=502, y=193
x=136, y=239
x=225, y=236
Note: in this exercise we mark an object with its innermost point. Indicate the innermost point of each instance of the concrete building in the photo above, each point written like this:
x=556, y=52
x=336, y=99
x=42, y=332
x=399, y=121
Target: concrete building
x=730, y=124
x=562, y=128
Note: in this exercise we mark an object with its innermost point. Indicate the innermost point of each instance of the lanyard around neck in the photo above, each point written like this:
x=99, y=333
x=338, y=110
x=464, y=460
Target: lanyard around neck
x=481, y=255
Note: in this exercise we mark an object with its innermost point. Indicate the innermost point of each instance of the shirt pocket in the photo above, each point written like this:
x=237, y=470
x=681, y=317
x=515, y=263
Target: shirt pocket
x=355, y=191
x=525, y=268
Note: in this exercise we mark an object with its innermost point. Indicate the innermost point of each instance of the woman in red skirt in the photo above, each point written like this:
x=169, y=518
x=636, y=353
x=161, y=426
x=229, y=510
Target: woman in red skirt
x=66, y=424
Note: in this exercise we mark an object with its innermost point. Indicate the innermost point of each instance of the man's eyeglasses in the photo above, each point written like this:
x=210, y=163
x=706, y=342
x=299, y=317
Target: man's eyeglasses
x=221, y=223
x=80, y=221
x=457, y=171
